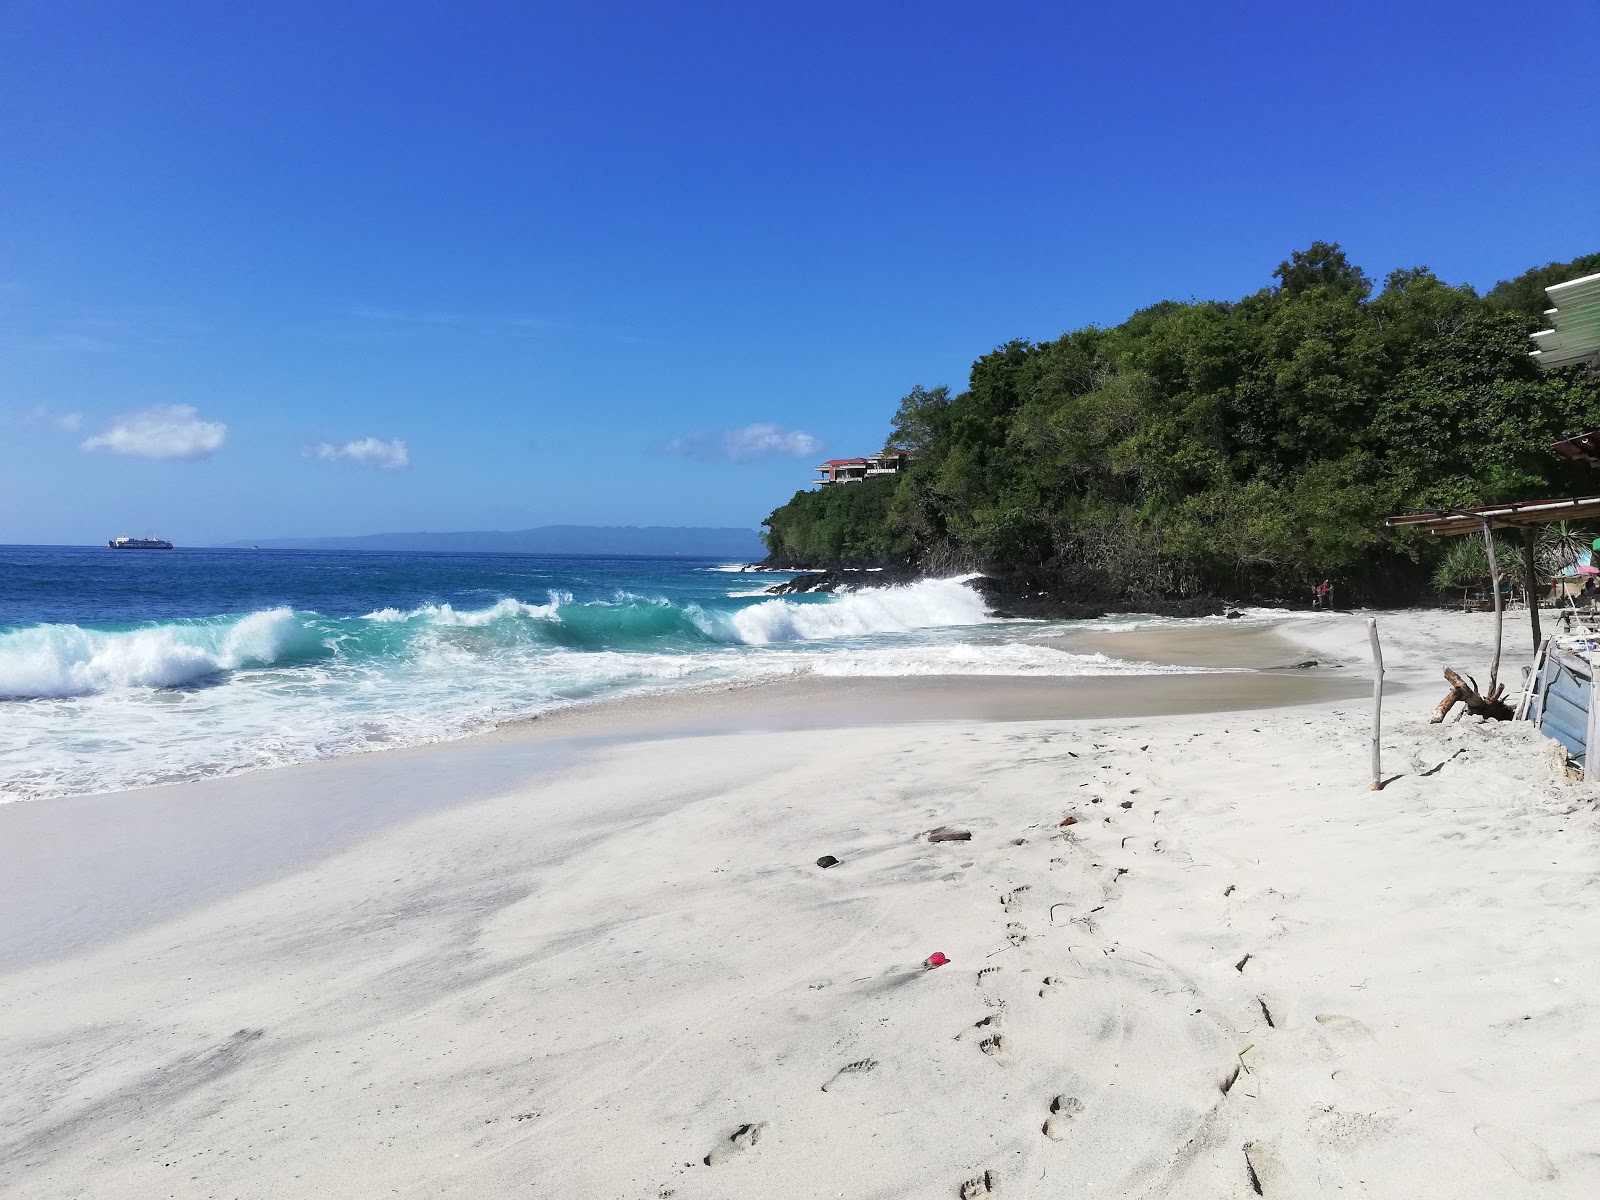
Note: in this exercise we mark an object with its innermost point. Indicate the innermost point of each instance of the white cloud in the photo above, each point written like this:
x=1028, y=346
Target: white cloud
x=44, y=415
x=369, y=451
x=165, y=431
x=761, y=440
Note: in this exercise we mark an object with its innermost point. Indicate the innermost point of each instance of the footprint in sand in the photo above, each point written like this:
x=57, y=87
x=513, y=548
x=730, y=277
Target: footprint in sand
x=1062, y=1110
x=1052, y=985
x=860, y=1067
x=986, y=1184
x=995, y=1044
x=987, y=1031
x=987, y=976
x=1016, y=933
x=1012, y=900
x=1266, y=1172
x=1346, y=1029
x=740, y=1139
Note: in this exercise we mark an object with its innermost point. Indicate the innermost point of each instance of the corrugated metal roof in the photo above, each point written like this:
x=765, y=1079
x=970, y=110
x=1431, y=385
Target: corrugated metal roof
x=1517, y=513
x=1574, y=333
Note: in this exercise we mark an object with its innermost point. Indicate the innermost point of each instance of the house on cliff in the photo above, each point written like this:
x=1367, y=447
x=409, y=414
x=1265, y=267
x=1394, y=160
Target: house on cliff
x=853, y=470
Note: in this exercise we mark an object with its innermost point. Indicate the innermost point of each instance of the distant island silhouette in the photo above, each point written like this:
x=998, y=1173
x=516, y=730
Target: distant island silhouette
x=665, y=541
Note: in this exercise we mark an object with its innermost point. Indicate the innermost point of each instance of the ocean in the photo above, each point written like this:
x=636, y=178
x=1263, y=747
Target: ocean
x=122, y=669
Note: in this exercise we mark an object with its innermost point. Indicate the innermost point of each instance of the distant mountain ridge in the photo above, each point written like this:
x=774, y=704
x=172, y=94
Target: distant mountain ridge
x=650, y=540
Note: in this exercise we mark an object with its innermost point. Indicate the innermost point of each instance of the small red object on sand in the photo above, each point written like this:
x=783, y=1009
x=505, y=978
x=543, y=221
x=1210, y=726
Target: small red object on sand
x=936, y=959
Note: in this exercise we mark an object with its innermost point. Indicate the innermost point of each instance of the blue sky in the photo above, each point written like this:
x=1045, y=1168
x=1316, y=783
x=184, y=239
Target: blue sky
x=299, y=269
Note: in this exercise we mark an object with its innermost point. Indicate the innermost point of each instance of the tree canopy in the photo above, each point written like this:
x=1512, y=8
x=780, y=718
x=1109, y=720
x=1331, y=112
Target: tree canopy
x=1238, y=448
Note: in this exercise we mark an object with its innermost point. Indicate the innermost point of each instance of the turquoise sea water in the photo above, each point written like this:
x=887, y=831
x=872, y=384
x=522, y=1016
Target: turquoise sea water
x=125, y=668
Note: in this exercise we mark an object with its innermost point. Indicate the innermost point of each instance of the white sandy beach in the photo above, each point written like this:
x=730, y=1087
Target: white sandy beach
x=588, y=971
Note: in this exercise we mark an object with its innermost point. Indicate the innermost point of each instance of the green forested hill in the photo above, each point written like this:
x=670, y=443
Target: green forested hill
x=1241, y=449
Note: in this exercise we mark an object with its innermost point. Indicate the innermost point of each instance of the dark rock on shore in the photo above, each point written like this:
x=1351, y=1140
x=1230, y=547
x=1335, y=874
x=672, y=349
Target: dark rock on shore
x=1054, y=593
x=844, y=579
x=1075, y=593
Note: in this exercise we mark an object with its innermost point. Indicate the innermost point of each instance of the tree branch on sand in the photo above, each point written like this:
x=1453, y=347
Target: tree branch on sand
x=1465, y=691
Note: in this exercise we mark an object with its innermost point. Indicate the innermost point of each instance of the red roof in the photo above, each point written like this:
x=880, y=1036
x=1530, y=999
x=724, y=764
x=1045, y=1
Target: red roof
x=843, y=462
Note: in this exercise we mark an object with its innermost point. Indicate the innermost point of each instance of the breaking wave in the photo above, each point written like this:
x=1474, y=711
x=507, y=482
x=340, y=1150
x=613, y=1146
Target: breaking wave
x=67, y=660
x=444, y=614
x=99, y=707
x=930, y=604
x=53, y=661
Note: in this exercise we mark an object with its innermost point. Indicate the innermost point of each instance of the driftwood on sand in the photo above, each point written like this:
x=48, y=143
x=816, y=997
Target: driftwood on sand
x=1465, y=691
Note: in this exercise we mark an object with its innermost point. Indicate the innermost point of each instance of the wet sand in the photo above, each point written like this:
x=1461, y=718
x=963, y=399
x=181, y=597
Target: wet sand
x=79, y=870
x=1208, y=644
x=815, y=703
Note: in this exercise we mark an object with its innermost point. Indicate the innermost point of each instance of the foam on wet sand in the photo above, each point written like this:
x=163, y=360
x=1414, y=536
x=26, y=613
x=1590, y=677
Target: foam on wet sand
x=1237, y=970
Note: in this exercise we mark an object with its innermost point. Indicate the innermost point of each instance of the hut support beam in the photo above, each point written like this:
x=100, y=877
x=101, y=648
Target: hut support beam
x=1530, y=539
x=1499, y=605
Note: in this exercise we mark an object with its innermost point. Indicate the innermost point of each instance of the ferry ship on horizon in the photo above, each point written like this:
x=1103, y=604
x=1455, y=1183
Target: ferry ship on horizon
x=128, y=543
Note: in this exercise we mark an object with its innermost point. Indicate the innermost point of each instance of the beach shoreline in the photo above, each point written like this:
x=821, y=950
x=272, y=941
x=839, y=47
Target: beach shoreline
x=77, y=870
x=502, y=954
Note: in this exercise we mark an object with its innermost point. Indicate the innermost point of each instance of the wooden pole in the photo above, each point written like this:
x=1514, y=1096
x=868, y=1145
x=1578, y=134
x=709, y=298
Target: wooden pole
x=1377, y=704
x=1529, y=555
x=1499, y=610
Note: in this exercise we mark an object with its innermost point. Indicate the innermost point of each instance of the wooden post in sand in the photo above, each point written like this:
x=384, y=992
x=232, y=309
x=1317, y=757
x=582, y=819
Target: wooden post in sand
x=1377, y=704
x=1499, y=614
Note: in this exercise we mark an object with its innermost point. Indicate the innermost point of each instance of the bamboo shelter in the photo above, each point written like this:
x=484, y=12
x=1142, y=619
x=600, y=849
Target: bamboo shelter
x=1526, y=515
x=1573, y=340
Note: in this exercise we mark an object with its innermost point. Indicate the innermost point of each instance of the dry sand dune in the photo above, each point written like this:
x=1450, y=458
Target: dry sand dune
x=1237, y=972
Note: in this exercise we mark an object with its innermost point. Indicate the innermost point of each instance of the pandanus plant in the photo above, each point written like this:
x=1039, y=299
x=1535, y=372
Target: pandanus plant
x=1561, y=546
x=1466, y=562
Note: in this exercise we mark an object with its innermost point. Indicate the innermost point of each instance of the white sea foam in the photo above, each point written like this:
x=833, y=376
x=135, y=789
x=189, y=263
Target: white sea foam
x=444, y=614
x=965, y=658
x=1248, y=618
x=929, y=604
x=757, y=569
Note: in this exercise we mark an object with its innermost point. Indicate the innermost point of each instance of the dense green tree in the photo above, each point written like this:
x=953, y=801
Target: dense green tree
x=920, y=420
x=1525, y=293
x=840, y=524
x=1323, y=265
x=1244, y=448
